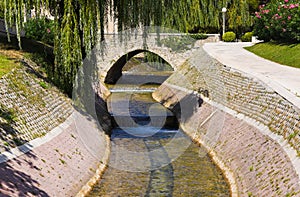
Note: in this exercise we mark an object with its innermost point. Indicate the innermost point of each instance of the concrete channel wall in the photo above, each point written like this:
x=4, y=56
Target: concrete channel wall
x=64, y=150
x=250, y=131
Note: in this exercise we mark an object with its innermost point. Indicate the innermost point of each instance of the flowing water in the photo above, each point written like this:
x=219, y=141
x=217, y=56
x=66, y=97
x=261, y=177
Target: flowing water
x=150, y=155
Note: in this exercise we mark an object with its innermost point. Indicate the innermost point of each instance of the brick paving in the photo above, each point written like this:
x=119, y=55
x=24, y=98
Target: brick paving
x=60, y=167
x=259, y=164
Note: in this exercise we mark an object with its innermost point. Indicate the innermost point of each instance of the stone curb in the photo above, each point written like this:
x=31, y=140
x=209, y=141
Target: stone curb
x=99, y=172
x=291, y=153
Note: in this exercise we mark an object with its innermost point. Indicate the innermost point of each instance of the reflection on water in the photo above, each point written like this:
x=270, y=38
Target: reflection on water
x=187, y=175
x=149, y=158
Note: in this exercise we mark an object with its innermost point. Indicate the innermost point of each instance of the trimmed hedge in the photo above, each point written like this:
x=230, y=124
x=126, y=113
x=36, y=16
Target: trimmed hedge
x=199, y=36
x=247, y=37
x=229, y=37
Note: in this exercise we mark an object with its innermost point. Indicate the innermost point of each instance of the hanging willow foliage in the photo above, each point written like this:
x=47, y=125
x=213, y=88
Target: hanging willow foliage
x=78, y=22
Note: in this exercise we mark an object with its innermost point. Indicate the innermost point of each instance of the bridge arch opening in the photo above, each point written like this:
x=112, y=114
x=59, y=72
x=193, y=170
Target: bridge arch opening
x=116, y=70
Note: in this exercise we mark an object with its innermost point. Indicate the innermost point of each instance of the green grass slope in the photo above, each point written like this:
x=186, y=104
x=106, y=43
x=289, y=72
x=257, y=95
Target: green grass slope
x=286, y=54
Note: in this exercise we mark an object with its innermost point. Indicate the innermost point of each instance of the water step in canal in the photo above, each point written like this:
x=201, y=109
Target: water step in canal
x=150, y=156
x=150, y=161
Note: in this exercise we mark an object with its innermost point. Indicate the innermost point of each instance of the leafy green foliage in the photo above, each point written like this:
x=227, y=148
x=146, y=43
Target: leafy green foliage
x=229, y=37
x=40, y=29
x=6, y=65
x=157, y=62
x=44, y=85
x=8, y=114
x=253, y=5
x=247, y=37
x=78, y=22
x=278, y=21
x=199, y=36
x=1, y=10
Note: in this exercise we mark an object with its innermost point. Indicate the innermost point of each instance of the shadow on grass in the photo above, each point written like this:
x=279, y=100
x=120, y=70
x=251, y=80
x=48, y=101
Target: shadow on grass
x=40, y=53
x=8, y=134
x=28, y=45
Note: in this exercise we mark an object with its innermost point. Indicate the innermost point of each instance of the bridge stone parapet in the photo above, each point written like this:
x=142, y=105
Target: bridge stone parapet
x=113, y=53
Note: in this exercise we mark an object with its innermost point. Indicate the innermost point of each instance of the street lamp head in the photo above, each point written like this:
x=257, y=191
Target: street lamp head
x=223, y=14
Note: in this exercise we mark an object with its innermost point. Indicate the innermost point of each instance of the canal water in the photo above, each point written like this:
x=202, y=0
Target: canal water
x=150, y=156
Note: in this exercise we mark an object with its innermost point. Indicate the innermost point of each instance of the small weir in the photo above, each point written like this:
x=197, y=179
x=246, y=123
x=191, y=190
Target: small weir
x=150, y=156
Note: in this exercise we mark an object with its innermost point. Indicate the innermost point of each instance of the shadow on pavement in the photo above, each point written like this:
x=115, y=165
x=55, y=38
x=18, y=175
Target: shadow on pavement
x=17, y=183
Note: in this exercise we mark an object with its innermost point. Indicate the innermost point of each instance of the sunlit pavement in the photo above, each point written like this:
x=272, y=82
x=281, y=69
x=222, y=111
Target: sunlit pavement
x=284, y=80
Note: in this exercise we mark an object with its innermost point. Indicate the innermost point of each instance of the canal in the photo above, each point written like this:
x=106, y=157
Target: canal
x=150, y=155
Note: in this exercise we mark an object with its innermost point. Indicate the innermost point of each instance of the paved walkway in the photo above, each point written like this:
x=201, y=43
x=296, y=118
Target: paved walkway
x=58, y=164
x=283, y=79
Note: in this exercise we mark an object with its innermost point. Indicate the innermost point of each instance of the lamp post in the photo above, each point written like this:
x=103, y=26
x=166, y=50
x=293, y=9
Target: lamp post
x=224, y=10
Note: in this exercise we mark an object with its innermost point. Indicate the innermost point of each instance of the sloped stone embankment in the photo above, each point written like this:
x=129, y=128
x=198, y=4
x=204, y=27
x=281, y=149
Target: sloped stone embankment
x=30, y=107
x=250, y=130
x=48, y=148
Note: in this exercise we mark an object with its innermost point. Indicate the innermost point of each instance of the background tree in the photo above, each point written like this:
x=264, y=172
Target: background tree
x=1, y=10
x=80, y=23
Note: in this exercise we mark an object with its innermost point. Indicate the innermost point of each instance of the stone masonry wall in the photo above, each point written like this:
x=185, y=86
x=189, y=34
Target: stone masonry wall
x=60, y=167
x=259, y=165
x=242, y=93
x=29, y=108
x=47, y=147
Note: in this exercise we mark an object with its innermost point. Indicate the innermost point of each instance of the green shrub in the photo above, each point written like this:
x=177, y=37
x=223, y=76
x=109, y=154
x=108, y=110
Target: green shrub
x=1, y=10
x=247, y=37
x=199, y=36
x=40, y=29
x=278, y=21
x=229, y=37
x=43, y=84
x=160, y=63
x=8, y=114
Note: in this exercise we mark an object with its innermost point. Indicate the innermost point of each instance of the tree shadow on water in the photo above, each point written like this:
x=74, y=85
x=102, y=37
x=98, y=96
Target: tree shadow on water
x=18, y=183
x=186, y=107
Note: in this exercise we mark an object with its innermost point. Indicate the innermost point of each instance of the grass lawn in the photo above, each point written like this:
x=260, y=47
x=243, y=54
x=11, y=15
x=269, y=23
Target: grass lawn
x=6, y=65
x=287, y=54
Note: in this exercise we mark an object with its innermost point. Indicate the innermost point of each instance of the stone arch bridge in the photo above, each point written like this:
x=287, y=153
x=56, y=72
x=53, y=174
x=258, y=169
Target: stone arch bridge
x=119, y=48
x=259, y=143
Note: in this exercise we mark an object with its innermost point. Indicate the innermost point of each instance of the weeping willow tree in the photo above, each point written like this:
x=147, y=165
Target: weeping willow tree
x=80, y=23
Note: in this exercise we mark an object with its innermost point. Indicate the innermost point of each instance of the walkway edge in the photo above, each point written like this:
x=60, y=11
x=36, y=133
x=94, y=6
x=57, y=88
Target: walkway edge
x=29, y=146
x=271, y=83
x=99, y=172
